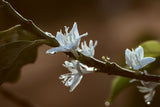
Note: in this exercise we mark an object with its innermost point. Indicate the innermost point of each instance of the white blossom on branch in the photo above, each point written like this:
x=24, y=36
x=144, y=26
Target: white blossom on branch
x=77, y=70
x=69, y=41
x=135, y=59
x=148, y=88
x=88, y=50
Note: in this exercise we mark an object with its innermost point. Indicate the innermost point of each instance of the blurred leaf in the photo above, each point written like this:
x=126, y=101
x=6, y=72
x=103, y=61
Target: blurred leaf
x=118, y=85
x=17, y=33
x=14, y=55
x=152, y=49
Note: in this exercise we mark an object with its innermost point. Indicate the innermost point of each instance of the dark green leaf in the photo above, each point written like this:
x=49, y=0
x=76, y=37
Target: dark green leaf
x=14, y=55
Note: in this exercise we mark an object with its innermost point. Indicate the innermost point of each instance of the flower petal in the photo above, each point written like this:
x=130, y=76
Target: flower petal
x=90, y=43
x=71, y=66
x=127, y=57
x=143, y=89
x=149, y=96
x=76, y=81
x=137, y=67
x=95, y=44
x=77, y=42
x=60, y=38
x=147, y=60
x=74, y=30
x=139, y=53
x=56, y=49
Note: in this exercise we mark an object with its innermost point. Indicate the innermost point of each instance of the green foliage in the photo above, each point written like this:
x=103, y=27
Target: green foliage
x=152, y=49
x=18, y=47
x=119, y=84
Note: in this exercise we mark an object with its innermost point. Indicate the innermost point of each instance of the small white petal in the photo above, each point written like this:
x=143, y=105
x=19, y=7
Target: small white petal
x=95, y=44
x=56, y=49
x=90, y=43
x=74, y=30
x=137, y=67
x=71, y=66
x=76, y=81
x=143, y=89
x=139, y=52
x=148, y=97
x=85, y=34
x=66, y=29
x=133, y=80
x=76, y=43
x=147, y=60
x=69, y=82
x=127, y=57
x=60, y=38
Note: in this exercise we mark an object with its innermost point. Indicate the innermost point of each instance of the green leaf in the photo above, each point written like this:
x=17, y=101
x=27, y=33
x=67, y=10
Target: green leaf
x=14, y=55
x=17, y=33
x=118, y=85
x=152, y=49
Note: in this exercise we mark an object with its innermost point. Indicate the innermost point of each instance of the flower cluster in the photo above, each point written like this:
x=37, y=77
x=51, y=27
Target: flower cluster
x=69, y=42
x=135, y=60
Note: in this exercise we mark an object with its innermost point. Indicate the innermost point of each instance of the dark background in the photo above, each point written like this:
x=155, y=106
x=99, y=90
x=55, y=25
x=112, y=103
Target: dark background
x=116, y=24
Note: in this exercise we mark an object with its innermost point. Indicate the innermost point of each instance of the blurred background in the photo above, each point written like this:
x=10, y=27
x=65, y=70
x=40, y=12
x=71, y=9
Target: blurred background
x=115, y=24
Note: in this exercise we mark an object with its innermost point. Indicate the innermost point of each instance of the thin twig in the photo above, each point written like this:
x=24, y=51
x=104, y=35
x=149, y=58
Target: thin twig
x=110, y=68
x=19, y=100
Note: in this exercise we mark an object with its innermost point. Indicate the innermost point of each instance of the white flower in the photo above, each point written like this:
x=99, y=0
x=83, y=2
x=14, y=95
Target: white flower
x=68, y=42
x=150, y=92
x=88, y=50
x=77, y=71
x=135, y=59
x=149, y=89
